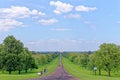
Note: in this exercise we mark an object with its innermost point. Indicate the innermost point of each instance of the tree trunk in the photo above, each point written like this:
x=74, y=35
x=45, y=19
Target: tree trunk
x=108, y=67
x=99, y=71
x=108, y=72
x=19, y=71
x=9, y=71
x=25, y=70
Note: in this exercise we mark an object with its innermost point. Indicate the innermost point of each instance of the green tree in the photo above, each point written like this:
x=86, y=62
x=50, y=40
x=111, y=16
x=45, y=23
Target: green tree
x=12, y=46
x=98, y=61
x=10, y=52
x=2, y=58
x=13, y=56
x=12, y=49
x=91, y=63
x=20, y=63
x=11, y=63
x=28, y=60
x=110, y=55
x=84, y=60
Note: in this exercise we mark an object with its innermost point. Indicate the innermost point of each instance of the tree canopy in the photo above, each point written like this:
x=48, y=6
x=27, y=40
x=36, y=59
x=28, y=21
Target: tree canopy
x=14, y=56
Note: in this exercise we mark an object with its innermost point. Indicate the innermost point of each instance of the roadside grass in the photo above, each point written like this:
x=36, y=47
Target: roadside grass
x=84, y=74
x=31, y=73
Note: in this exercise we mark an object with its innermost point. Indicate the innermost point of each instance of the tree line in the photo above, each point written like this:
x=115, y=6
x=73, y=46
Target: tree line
x=42, y=59
x=107, y=58
x=15, y=57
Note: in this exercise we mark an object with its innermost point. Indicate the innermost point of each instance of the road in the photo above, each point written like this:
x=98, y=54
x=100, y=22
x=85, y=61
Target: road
x=58, y=74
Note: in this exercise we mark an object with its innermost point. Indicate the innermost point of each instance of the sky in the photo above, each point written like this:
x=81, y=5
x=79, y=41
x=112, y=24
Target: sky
x=61, y=25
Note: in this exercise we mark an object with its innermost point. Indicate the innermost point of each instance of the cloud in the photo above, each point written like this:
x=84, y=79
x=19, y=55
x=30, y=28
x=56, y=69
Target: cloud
x=85, y=9
x=7, y=24
x=61, y=29
x=72, y=16
x=9, y=16
x=19, y=12
x=61, y=7
x=48, y=22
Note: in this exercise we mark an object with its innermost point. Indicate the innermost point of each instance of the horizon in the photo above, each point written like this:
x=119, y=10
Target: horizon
x=60, y=25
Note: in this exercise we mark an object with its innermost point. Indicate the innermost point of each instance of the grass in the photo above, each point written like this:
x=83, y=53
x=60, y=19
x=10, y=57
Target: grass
x=31, y=74
x=84, y=74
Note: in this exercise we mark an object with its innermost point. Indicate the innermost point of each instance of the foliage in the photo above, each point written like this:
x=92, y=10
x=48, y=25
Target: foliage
x=32, y=74
x=84, y=74
x=106, y=58
x=80, y=59
x=13, y=55
x=42, y=59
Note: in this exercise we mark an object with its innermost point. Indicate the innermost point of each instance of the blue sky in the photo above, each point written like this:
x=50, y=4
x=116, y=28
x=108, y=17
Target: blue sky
x=67, y=25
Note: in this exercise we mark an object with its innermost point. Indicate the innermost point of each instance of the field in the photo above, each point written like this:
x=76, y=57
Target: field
x=31, y=74
x=84, y=74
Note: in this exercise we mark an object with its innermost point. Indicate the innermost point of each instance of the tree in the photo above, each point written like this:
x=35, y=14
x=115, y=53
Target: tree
x=13, y=56
x=72, y=56
x=10, y=52
x=91, y=63
x=28, y=60
x=77, y=60
x=13, y=48
x=33, y=64
x=110, y=54
x=20, y=63
x=84, y=60
x=98, y=61
x=11, y=63
x=2, y=58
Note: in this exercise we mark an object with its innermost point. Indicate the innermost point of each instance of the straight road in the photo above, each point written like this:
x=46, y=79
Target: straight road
x=58, y=74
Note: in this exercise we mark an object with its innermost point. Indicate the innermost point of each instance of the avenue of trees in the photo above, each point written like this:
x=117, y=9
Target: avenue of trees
x=42, y=59
x=106, y=58
x=15, y=57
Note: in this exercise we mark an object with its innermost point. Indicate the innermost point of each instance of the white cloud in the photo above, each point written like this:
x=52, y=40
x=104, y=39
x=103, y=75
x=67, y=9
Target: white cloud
x=61, y=7
x=9, y=15
x=48, y=22
x=61, y=29
x=18, y=12
x=36, y=12
x=72, y=16
x=7, y=24
x=85, y=9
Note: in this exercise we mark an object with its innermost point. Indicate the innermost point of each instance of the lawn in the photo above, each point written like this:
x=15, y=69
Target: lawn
x=31, y=74
x=84, y=74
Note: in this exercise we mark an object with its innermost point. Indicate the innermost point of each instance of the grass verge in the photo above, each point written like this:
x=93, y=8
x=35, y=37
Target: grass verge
x=84, y=74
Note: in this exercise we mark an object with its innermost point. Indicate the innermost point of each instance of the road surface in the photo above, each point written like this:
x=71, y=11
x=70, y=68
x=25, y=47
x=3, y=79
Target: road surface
x=58, y=74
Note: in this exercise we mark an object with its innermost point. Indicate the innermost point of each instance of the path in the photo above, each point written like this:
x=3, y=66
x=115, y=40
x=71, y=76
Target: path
x=58, y=74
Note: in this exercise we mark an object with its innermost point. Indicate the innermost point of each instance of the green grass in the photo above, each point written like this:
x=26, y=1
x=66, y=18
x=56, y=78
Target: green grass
x=84, y=74
x=31, y=74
